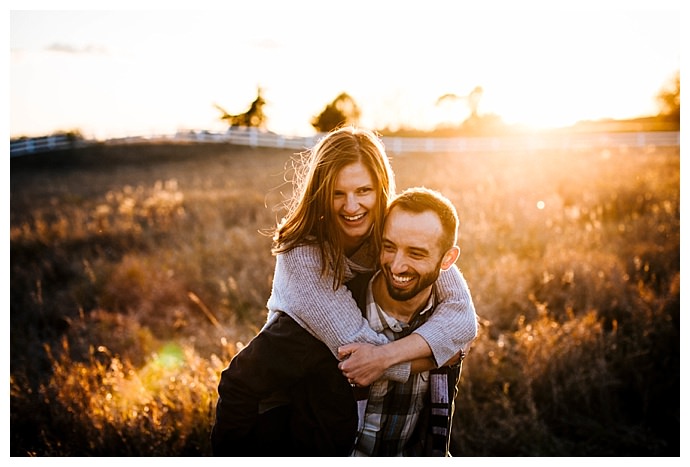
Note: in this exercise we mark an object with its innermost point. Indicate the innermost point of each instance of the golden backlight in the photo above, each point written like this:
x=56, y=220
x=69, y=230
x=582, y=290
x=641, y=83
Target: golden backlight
x=119, y=73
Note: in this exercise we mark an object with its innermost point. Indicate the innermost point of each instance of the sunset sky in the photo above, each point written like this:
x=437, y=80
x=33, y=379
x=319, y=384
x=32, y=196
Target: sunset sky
x=117, y=72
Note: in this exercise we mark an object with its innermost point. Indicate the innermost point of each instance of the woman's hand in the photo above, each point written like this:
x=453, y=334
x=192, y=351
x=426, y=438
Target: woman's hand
x=362, y=364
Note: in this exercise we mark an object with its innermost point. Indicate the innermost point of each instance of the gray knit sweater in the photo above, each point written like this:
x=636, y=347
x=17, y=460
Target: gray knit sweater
x=332, y=316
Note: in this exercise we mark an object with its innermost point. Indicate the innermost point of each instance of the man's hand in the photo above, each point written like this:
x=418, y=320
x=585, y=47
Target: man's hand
x=362, y=364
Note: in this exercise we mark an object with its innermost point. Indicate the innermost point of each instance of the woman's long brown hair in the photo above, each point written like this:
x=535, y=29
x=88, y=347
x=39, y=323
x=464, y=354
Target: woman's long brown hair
x=310, y=217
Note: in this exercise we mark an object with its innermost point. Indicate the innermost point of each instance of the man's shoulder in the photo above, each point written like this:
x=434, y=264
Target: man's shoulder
x=358, y=287
x=359, y=282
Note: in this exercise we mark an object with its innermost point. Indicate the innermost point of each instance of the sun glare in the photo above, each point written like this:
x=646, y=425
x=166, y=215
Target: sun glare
x=548, y=69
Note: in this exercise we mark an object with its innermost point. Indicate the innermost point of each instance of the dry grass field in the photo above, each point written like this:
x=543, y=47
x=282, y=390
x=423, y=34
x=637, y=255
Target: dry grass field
x=137, y=272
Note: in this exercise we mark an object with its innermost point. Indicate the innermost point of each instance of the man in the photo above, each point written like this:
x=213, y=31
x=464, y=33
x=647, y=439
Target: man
x=419, y=240
x=284, y=394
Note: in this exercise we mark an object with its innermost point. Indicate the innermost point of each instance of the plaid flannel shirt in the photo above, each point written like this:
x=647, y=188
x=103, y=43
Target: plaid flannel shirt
x=411, y=418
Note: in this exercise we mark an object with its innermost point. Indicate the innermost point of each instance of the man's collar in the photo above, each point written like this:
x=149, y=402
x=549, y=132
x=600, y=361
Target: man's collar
x=371, y=306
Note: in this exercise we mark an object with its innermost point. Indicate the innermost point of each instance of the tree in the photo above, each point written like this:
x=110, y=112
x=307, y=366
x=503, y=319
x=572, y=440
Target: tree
x=669, y=98
x=473, y=99
x=475, y=123
x=253, y=117
x=342, y=111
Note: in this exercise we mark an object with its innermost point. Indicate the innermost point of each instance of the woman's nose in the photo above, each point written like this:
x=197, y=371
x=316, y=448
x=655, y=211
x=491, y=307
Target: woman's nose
x=351, y=203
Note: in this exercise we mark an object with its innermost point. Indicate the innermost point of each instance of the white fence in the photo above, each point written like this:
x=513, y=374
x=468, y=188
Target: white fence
x=394, y=145
x=531, y=142
x=400, y=145
x=21, y=147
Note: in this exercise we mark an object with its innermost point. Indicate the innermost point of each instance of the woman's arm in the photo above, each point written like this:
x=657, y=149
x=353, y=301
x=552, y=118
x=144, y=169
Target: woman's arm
x=302, y=292
x=365, y=363
x=453, y=325
x=450, y=329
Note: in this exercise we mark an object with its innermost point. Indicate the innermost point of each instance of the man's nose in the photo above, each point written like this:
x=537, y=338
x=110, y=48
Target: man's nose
x=398, y=264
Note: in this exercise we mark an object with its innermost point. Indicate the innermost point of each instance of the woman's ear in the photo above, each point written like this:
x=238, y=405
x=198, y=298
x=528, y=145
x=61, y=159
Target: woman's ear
x=450, y=257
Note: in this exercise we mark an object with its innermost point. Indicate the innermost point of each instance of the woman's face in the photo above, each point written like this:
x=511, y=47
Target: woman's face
x=354, y=201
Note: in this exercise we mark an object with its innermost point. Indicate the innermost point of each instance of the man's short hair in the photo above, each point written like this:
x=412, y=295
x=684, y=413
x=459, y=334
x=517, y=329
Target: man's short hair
x=421, y=199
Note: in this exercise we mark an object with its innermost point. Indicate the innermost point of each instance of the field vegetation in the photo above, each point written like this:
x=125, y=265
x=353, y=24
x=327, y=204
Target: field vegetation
x=138, y=271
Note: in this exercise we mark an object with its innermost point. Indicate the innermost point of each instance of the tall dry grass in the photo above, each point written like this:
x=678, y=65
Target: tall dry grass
x=138, y=271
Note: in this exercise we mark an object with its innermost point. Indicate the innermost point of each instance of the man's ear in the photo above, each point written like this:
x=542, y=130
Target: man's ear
x=450, y=257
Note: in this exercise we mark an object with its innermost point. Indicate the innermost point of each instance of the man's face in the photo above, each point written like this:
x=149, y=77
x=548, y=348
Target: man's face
x=411, y=256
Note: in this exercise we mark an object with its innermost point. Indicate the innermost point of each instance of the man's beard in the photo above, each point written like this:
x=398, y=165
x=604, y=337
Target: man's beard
x=422, y=283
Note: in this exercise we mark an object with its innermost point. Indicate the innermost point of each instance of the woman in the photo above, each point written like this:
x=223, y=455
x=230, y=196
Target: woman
x=332, y=232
